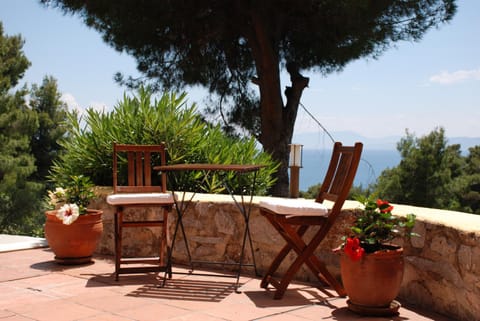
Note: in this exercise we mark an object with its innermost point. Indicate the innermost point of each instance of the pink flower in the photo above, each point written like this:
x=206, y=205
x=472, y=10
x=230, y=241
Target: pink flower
x=353, y=249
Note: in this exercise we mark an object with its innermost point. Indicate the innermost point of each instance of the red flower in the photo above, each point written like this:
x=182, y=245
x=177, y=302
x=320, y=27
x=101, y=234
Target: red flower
x=353, y=249
x=384, y=206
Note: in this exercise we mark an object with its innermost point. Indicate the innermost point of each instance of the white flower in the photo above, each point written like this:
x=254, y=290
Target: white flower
x=68, y=213
x=59, y=191
x=57, y=196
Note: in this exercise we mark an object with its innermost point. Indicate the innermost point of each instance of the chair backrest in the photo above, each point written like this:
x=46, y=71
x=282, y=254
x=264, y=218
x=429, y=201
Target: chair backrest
x=340, y=175
x=132, y=168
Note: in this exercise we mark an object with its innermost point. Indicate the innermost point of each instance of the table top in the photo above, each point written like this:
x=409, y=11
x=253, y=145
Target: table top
x=210, y=167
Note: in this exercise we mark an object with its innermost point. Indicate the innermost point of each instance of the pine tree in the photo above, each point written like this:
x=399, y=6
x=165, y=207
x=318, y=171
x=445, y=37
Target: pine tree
x=19, y=195
x=52, y=114
x=426, y=174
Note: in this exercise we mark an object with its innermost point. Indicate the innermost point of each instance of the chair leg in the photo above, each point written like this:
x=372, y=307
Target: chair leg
x=163, y=239
x=168, y=244
x=159, y=261
x=165, y=247
x=274, y=266
x=306, y=255
x=294, y=238
x=279, y=258
x=115, y=237
x=318, y=267
x=118, y=217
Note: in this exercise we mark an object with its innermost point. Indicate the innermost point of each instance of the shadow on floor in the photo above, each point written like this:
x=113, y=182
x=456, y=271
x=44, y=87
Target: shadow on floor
x=150, y=286
x=184, y=289
x=293, y=297
x=53, y=266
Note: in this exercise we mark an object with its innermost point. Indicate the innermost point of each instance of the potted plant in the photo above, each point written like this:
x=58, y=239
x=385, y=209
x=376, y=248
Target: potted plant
x=71, y=229
x=371, y=266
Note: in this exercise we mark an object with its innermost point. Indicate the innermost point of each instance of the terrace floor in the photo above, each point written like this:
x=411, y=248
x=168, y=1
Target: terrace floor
x=34, y=287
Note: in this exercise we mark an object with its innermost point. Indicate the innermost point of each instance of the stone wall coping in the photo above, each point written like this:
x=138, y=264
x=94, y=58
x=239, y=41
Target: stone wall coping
x=469, y=223
x=226, y=198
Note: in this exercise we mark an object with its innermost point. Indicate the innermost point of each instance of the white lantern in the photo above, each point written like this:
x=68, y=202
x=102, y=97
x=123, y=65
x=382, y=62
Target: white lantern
x=295, y=155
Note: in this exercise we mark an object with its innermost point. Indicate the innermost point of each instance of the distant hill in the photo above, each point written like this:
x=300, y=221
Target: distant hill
x=322, y=141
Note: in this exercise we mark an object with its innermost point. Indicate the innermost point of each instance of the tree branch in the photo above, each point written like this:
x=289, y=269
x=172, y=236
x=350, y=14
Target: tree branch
x=293, y=94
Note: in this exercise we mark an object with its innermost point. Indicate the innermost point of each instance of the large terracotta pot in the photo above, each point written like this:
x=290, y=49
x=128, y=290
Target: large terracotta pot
x=373, y=282
x=74, y=243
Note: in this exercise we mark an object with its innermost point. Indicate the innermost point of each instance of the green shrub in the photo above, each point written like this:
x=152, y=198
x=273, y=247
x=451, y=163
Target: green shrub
x=143, y=119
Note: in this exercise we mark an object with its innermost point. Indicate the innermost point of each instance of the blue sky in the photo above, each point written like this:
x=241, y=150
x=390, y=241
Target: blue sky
x=415, y=86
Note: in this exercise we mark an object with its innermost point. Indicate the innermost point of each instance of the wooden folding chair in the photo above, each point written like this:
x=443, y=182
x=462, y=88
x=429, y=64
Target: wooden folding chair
x=293, y=217
x=136, y=186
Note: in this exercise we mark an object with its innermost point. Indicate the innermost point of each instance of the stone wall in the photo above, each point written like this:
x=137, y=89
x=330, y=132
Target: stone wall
x=442, y=271
x=443, y=265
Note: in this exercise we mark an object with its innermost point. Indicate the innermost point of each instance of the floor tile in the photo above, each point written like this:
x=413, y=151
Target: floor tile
x=58, y=310
x=34, y=287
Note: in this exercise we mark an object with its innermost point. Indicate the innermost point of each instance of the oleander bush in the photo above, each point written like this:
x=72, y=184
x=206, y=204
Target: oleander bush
x=144, y=119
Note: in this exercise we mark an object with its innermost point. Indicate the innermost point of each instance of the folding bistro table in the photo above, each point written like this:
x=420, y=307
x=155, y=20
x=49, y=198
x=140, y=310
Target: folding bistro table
x=243, y=202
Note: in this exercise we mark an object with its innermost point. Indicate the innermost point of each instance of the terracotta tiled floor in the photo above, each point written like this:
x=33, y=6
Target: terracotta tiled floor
x=34, y=287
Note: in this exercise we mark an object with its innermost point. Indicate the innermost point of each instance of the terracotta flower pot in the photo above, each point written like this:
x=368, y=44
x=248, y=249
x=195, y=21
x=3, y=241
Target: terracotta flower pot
x=74, y=243
x=373, y=282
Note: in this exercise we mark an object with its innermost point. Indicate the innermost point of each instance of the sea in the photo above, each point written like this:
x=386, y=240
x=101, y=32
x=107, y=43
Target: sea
x=372, y=163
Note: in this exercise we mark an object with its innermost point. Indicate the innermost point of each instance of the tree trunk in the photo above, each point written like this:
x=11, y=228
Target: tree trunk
x=280, y=150
x=277, y=119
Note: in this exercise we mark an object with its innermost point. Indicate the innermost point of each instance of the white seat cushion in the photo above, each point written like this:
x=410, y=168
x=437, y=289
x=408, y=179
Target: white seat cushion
x=139, y=198
x=294, y=207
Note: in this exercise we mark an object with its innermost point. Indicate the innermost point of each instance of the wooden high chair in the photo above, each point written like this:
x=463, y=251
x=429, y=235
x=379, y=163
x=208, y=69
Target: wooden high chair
x=136, y=186
x=293, y=217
